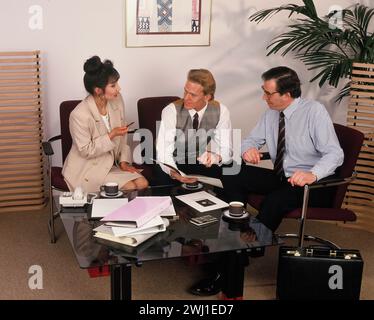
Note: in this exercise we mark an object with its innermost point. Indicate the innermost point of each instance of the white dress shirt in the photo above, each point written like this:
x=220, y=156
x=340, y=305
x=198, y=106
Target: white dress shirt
x=220, y=144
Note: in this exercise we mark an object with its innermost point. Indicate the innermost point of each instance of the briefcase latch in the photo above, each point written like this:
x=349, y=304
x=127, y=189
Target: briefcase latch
x=295, y=253
x=349, y=256
x=333, y=253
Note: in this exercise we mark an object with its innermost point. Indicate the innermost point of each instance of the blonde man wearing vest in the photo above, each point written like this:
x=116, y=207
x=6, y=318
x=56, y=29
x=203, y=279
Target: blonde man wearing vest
x=195, y=132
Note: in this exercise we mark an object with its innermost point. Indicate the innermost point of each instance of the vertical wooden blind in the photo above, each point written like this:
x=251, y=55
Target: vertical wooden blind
x=360, y=194
x=21, y=162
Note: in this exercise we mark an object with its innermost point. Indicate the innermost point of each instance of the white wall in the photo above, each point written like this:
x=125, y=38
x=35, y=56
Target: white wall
x=74, y=30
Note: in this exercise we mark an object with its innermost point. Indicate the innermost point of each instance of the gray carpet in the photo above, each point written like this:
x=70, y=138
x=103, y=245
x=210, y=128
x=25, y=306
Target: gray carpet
x=25, y=242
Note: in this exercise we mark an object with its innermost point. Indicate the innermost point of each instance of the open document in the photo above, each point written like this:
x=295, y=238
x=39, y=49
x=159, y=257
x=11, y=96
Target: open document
x=203, y=201
x=204, y=179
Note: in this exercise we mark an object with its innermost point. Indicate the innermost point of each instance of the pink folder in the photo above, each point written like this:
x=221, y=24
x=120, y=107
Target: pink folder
x=139, y=211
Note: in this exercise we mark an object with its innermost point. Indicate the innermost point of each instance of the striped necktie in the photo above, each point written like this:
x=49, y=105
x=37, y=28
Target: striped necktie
x=281, y=147
x=195, y=126
x=195, y=122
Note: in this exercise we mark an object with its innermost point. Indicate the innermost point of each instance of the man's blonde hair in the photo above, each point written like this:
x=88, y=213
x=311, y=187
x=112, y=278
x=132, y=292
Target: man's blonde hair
x=205, y=79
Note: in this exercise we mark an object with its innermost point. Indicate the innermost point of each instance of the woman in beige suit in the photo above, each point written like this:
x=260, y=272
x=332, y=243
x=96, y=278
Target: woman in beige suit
x=100, y=153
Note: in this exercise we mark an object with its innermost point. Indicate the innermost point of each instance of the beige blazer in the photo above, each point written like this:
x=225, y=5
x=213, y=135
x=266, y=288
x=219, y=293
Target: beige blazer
x=92, y=153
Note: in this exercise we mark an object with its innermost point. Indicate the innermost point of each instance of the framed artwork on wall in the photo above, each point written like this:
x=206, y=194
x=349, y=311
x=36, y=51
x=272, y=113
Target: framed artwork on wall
x=161, y=23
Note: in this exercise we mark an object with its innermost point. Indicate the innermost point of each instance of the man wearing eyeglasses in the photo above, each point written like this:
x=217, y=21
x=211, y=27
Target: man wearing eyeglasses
x=303, y=147
x=302, y=144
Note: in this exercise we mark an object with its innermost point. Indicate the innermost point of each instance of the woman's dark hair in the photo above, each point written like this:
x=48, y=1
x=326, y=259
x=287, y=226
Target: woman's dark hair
x=98, y=74
x=286, y=79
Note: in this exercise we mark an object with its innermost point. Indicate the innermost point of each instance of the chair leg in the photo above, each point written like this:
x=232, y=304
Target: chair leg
x=52, y=214
x=328, y=243
x=301, y=236
x=51, y=224
x=51, y=221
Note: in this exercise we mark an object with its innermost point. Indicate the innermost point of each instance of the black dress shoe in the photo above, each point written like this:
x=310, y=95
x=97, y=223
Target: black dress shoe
x=207, y=287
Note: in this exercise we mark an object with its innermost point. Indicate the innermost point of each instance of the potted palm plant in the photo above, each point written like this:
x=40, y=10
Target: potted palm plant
x=328, y=45
x=335, y=47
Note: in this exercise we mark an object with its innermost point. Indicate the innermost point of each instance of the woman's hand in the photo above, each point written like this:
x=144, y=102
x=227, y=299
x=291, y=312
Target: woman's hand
x=118, y=131
x=124, y=166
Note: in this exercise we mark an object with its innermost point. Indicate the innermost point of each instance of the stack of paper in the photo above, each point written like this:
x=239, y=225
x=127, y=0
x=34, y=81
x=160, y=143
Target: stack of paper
x=131, y=236
x=139, y=211
x=102, y=207
x=136, y=221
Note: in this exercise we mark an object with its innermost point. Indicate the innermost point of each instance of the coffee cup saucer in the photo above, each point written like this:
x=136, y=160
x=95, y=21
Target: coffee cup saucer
x=117, y=195
x=227, y=214
x=199, y=186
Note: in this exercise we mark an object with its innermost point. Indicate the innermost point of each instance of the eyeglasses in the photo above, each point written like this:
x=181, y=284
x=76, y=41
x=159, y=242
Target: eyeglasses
x=268, y=94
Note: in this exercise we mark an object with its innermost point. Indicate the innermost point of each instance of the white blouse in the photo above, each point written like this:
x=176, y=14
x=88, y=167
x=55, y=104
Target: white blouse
x=106, y=121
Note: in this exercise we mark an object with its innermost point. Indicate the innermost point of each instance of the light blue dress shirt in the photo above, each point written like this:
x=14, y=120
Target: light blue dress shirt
x=311, y=141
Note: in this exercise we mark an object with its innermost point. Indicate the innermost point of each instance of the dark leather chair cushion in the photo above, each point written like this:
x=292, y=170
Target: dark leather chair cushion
x=351, y=141
x=57, y=179
x=336, y=214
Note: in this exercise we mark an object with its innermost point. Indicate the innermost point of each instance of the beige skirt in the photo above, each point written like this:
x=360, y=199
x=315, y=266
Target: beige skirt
x=121, y=177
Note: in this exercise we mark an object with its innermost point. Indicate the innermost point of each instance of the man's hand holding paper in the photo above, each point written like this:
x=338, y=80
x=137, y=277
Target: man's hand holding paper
x=183, y=179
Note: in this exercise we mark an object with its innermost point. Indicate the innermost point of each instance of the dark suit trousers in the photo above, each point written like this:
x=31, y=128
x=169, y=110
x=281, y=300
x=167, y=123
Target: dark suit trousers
x=280, y=196
x=164, y=179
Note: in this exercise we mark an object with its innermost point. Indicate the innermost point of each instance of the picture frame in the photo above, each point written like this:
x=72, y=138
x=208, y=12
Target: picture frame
x=162, y=23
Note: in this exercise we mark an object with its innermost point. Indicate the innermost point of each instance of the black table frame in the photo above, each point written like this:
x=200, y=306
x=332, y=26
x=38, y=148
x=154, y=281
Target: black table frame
x=234, y=263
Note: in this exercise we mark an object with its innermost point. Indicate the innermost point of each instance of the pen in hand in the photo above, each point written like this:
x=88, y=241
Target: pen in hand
x=119, y=131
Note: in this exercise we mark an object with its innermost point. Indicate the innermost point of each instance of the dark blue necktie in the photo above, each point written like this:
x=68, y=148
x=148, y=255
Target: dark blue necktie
x=281, y=147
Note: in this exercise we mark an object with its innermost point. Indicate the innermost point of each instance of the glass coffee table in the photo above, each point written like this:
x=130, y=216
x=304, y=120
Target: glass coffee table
x=232, y=240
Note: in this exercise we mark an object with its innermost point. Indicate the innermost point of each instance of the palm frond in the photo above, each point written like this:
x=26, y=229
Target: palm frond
x=332, y=65
x=304, y=36
x=329, y=51
x=363, y=16
x=343, y=92
x=368, y=52
x=307, y=10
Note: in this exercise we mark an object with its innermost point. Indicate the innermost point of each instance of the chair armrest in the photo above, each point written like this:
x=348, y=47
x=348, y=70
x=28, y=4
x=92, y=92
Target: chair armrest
x=333, y=182
x=321, y=184
x=47, y=146
x=55, y=138
x=265, y=156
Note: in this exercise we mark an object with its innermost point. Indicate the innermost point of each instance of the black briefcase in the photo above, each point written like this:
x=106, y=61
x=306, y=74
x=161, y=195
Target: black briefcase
x=319, y=273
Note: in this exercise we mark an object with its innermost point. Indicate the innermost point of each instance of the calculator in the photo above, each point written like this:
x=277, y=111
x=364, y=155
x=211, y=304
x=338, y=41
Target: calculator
x=203, y=220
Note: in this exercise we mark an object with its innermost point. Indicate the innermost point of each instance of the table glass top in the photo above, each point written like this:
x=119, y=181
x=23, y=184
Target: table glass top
x=180, y=239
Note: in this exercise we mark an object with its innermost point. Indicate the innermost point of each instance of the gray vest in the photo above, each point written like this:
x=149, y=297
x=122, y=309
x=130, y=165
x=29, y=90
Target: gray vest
x=189, y=144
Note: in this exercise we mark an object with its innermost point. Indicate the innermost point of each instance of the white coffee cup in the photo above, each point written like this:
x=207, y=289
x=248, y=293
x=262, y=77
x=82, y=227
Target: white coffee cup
x=236, y=208
x=110, y=188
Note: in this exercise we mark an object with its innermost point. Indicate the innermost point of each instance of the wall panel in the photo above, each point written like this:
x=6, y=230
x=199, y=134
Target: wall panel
x=21, y=160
